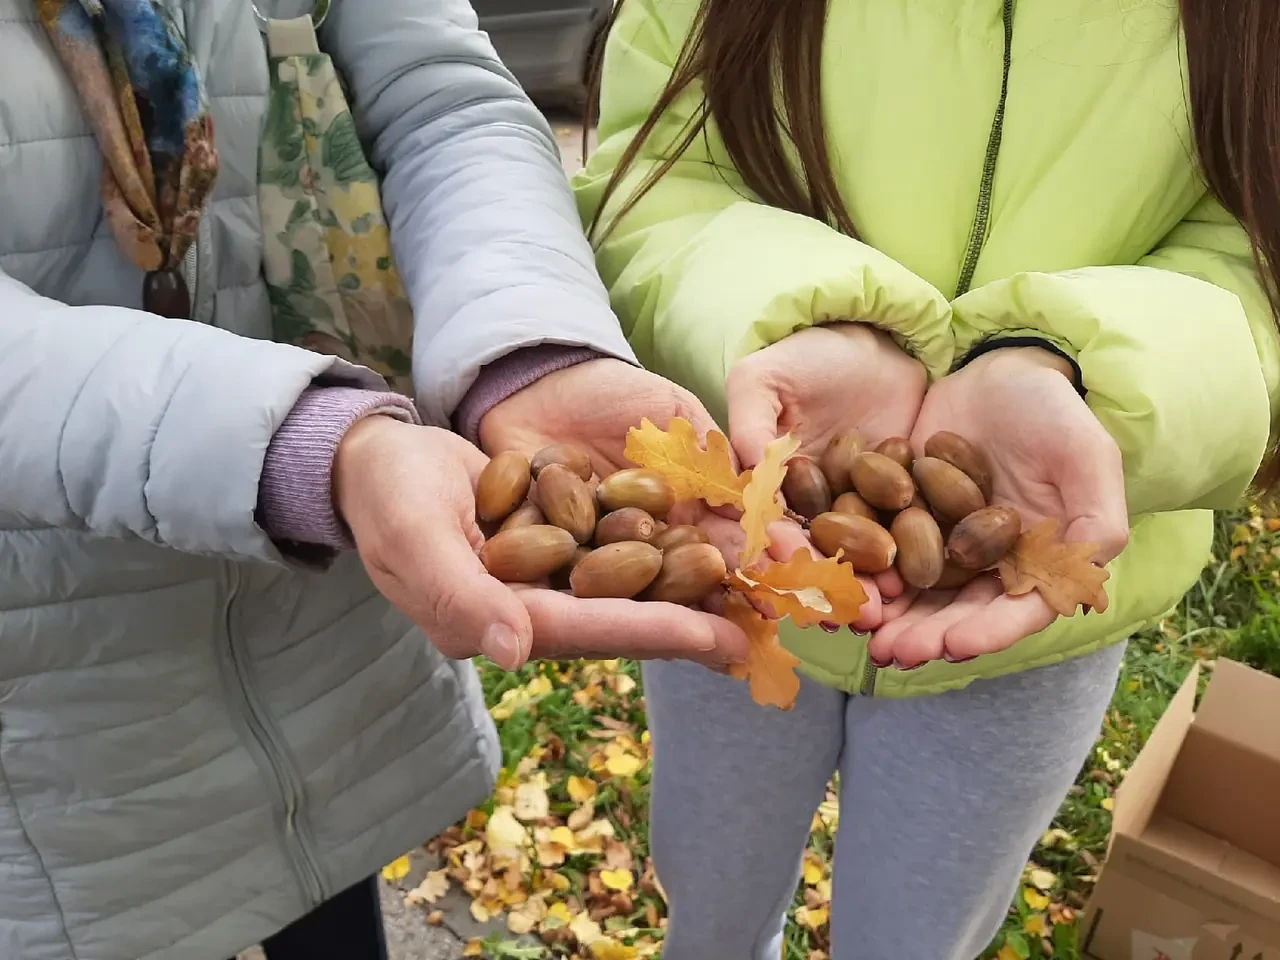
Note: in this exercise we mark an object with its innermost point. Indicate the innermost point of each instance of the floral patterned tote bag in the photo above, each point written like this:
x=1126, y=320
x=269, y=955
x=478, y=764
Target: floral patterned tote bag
x=330, y=274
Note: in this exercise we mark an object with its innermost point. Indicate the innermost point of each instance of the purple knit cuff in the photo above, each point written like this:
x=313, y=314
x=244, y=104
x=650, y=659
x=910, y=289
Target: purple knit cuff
x=295, y=494
x=509, y=375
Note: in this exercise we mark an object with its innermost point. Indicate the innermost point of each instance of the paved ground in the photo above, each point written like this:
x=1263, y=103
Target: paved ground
x=409, y=936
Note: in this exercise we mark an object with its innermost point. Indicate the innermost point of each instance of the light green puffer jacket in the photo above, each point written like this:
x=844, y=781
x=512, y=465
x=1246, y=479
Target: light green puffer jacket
x=1101, y=239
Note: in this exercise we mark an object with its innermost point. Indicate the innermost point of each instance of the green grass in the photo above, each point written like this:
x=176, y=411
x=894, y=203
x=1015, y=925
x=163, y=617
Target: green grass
x=1232, y=611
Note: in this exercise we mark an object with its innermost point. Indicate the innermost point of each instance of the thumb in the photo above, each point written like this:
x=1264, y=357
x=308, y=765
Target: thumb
x=447, y=591
x=1096, y=510
x=753, y=418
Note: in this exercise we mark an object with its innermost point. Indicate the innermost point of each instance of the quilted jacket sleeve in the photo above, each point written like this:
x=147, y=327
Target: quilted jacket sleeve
x=482, y=220
x=1179, y=355
x=700, y=272
x=124, y=425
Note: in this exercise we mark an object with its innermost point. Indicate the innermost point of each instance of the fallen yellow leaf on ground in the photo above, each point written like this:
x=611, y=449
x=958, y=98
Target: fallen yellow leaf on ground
x=624, y=765
x=1008, y=953
x=1036, y=925
x=812, y=868
x=612, y=950
x=760, y=506
x=431, y=889
x=505, y=834
x=580, y=789
x=620, y=880
x=813, y=917
x=695, y=473
x=1034, y=898
x=532, y=802
x=474, y=948
x=1042, y=878
x=396, y=870
x=585, y=929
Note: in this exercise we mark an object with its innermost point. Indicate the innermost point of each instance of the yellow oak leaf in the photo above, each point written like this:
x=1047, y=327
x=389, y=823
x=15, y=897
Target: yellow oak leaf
x=620, y=880
x=532, y=802
x=1108, y=804
x=808, y=591
x=474, y=948
x=812, y=869
x=396, y=870
x=585, y=929
x=695, y=473
x=505, y=834
x=770, y=668
x=612, y=950
x=760, y=505
x=1063, y=572
x=1036, y=925
x=624, y=765
x=581, y=789
x=1034, y=898
x=431, y=889
x=1007, y=953
x=813, y=917
x=1042, y=879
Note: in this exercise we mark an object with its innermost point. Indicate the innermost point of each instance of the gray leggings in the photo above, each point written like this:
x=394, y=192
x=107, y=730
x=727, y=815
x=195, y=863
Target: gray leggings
x=942, y=800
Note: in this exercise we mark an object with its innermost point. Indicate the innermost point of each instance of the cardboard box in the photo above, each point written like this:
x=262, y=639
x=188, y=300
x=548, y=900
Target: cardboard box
x=1193, y=870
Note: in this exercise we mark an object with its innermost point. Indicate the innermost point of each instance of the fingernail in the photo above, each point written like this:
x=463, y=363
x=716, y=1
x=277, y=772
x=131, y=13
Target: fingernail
x=881, y=664
x=950, y=659
x=705, y=639
x=904, y=668
x=830, y=627
x=501, y=645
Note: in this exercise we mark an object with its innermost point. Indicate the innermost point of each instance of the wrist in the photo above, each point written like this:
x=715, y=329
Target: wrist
x=357, y=449
x=1026, y=352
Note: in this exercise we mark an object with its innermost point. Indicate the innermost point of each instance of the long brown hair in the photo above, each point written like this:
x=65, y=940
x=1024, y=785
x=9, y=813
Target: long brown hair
x=759, y=49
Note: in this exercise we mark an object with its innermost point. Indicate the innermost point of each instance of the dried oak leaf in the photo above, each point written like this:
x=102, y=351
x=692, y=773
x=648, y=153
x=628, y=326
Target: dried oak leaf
x=695, y=473
x=1062, y=572
x=760, y=506
x=770, y=667
x=808, y=591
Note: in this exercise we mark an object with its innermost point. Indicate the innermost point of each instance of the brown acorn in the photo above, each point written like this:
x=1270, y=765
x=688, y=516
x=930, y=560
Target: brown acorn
x=527, y=554
x=618, y=570
x=528, y=514
x=678, y=535
x=982, y=539
x=565, y=455
x=867, y=546
x=560, y=579
x=953, y=577
x=882, y=482
x=950, y=492
x=838, y=459
x=964, y=456
x=566, y=501
x=805, y=488
x=502, y=486
x=897, y=449
x=629, y=523
x=641, y=488
x=920, y=550
x=854, y=505
x=689, y=572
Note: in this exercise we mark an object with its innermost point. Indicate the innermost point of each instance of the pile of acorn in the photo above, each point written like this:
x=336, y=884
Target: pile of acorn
x=556, y=524
x=883, y=508
x=550, y=521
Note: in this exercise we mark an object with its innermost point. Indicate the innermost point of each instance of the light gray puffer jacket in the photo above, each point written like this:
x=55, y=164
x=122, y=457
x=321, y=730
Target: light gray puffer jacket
x=198, y=740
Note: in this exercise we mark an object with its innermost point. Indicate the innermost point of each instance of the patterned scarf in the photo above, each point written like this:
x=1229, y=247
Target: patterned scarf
x=143, y=98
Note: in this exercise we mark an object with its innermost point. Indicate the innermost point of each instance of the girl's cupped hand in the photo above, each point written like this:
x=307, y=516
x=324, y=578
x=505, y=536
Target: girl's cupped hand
x=815, y=384
x=1050, y=458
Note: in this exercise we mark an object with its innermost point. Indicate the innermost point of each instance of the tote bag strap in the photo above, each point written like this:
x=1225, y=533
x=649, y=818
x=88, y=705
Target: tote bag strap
x=327, y=259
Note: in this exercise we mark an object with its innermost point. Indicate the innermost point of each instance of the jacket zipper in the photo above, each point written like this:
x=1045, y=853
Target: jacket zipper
x=288, y=785
x=982, y=216
x=191, y=274
x=978, y=233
